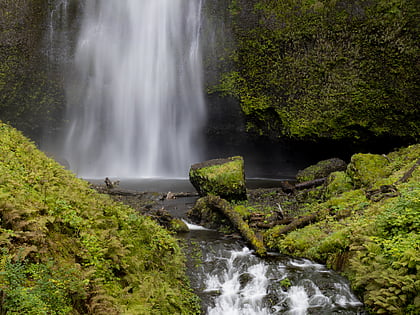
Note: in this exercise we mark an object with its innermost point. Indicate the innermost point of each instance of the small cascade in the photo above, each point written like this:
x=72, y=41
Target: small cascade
x=231, y=280
x=297, y=300
x=242, y=287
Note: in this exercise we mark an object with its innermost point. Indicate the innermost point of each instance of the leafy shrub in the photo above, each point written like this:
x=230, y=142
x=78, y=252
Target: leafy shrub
x=38, y=288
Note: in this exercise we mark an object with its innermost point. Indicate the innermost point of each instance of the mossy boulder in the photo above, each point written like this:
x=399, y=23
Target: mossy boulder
x=337, y=183
x=220, y=177
x=321, y=169
x=365, y=169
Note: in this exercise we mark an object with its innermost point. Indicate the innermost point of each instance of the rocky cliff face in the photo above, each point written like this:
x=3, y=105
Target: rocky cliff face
x=30, y=97
x=313, y=70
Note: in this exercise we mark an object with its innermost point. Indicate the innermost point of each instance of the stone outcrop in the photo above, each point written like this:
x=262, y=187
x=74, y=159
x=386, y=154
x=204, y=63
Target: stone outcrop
x=220, y=177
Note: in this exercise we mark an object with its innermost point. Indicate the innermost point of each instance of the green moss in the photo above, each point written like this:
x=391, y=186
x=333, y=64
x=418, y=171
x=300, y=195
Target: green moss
x=225, y=178
x=337, y=183
x=326, y=69
x=244, y=211
x=366, y=169
x=179, y=226
x=320, y=170
x=125, y=262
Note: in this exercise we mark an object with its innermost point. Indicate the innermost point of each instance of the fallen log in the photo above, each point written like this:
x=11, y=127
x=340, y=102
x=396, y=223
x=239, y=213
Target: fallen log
x=215, y=203
x=262, y=225
x=407, y=175
x=298, y=223
x=311, y=183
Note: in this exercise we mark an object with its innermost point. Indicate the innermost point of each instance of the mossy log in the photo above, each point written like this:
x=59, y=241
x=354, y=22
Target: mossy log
x=408, y=174
x=299, y=223
x=217, y=204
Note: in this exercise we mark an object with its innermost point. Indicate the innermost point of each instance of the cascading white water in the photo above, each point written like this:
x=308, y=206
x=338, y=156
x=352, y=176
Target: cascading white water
x=238, y=282
x=135, y=101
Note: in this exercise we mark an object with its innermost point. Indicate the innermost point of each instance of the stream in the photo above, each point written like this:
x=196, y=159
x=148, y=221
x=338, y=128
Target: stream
x=231, y=280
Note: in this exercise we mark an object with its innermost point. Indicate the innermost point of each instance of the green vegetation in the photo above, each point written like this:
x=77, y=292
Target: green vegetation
x=326, y=69
x=68, y=250
x=368, y=228
x=221, y=177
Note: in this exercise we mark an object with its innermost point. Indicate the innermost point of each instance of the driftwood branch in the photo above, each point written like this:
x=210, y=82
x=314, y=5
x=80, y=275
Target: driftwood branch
x=309, y=219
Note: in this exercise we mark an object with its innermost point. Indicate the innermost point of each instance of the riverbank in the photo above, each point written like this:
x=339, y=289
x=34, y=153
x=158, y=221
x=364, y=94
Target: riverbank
x=362, y=221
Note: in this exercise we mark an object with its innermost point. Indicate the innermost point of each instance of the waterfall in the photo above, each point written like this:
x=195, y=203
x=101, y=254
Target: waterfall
x=135, y=104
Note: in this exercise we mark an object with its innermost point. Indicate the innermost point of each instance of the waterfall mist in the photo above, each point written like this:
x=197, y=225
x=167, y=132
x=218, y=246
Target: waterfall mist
x=135, y=105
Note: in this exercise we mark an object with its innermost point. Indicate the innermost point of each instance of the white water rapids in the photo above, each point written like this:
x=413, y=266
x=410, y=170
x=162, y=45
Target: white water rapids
x=247, y=285
x=135, y=100
x=231, y=280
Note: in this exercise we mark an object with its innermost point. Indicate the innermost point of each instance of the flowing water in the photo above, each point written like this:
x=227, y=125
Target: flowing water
x=231, y=280
x=135, y=100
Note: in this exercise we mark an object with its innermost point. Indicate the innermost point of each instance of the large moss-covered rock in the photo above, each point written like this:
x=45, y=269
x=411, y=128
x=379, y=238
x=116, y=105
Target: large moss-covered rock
x=365, y=169
x=337, y=183
x=221, y=177
x=321, y=169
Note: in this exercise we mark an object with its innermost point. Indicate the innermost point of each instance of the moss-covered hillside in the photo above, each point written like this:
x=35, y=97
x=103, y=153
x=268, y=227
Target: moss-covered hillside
x=367, y=226
x=327, y=69
x=65, y=249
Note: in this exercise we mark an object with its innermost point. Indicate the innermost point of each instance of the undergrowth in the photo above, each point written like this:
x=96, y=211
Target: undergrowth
x=52, y=224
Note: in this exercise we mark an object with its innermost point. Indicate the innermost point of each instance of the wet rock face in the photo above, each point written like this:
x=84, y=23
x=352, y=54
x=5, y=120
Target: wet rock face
x=220, y=177
x=321, y=169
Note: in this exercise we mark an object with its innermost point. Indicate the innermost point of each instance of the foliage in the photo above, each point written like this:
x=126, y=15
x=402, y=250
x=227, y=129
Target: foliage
x=125, y=263
x=326, y=69
x=38, y=288
x=375, y=243
x=388, y=267
x=337, y=183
